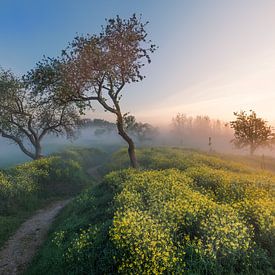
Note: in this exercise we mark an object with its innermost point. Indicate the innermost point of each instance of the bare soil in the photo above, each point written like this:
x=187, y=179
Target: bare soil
x=19, y=250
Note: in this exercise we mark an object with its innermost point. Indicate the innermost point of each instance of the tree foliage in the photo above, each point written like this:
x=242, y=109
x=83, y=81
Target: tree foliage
x=26, y=119
x=251, y=131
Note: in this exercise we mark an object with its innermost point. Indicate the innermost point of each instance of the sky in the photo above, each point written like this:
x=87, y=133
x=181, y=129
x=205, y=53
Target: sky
x=214, y=57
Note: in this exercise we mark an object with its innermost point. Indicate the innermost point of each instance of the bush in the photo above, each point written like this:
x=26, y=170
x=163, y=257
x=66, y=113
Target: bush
x=161, y=215
x=28, y=186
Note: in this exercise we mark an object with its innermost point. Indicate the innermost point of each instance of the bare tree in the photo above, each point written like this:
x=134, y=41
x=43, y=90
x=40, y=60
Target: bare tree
x=26, y=119
x=98, y=68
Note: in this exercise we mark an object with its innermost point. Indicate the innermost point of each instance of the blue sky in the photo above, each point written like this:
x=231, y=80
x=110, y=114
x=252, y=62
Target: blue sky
x=214, y=57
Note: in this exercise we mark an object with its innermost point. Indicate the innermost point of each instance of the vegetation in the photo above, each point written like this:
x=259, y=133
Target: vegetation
x=200, y=131
x=171, y=211
x=101, y=126
x=25, y=188
x=27, y=118
x=98, y=68
x=184, y=212
x=251, y=131
x=141, y=131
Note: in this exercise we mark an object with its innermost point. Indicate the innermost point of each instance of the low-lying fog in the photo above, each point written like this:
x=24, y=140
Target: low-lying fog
x=197, y=133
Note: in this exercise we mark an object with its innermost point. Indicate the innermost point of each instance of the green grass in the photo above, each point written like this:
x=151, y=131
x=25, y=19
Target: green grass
x=61, y=254
x=27, y=187
x=10, y=223
x=183, y=211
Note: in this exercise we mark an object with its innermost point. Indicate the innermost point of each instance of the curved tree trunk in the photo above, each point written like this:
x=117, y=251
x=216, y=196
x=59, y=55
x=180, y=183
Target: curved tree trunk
x=38, y=151
x=131, y=145
x=19, y=142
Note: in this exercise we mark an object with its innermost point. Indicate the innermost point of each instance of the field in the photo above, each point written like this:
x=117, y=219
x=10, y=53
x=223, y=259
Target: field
x=182, y=211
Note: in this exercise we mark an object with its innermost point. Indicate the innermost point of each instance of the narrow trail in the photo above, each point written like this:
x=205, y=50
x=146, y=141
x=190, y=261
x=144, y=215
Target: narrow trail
x=19, y=250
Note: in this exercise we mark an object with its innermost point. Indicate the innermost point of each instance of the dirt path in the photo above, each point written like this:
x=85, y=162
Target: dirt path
x=20, y=249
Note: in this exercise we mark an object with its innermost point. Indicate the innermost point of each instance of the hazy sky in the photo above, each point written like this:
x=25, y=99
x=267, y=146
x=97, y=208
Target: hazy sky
x=214, y=56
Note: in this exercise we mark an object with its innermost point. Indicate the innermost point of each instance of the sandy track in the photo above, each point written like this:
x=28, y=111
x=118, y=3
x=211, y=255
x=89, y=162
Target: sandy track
x=22, y=246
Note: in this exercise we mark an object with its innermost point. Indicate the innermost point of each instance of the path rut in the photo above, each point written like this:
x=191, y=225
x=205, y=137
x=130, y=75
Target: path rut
x=19, y=250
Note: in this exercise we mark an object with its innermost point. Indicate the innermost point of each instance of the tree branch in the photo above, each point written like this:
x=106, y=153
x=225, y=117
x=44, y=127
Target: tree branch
x=19, y=143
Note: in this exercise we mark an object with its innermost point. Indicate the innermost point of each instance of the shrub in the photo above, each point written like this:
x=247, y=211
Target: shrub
x=161, y=215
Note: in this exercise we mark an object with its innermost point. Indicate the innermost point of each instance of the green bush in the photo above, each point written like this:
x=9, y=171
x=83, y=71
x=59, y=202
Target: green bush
x=28, y=186
x=51, y=176
x=161, y=215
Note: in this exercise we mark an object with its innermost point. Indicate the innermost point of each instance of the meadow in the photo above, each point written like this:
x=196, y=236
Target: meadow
x=182, y=211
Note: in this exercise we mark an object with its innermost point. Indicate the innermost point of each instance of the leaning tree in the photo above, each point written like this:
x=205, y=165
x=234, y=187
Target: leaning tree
x=251, y=131
x=26, y=118
x=98, y=68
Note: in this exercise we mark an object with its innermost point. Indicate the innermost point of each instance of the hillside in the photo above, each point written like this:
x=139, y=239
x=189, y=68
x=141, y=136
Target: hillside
x=183, y=211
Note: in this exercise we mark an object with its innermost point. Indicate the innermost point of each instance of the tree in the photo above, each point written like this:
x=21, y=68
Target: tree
x=26, y=119
x=181, y=124
x=101, y=126
x=97, y=123
x=98, y=68
x=142, y=131
x=251, y=131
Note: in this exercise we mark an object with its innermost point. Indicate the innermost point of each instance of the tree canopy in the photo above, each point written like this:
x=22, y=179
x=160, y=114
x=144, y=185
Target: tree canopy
x=251, y=131
x=27, y=118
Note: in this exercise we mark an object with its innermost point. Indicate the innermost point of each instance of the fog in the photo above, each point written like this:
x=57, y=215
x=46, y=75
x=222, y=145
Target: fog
x=10, y=153
x=201, y=132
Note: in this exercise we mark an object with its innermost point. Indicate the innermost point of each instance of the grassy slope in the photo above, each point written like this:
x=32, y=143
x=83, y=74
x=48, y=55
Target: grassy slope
x=79, y=242
x=92, y=207
x=18, y=211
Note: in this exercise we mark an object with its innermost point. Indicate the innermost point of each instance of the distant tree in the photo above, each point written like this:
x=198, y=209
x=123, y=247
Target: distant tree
x=104, y=124
x=85, y=123
x=26, y=119
x=145, y=132
x=100, y=126
x=97, y=123
x=98, y=68
x=251, y=131
x=129, y=122
x=142, y=131
x=181, y=125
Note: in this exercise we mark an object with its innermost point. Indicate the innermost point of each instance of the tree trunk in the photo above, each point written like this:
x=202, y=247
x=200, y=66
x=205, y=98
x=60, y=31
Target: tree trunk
x=38, y=151
x=131, y=145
